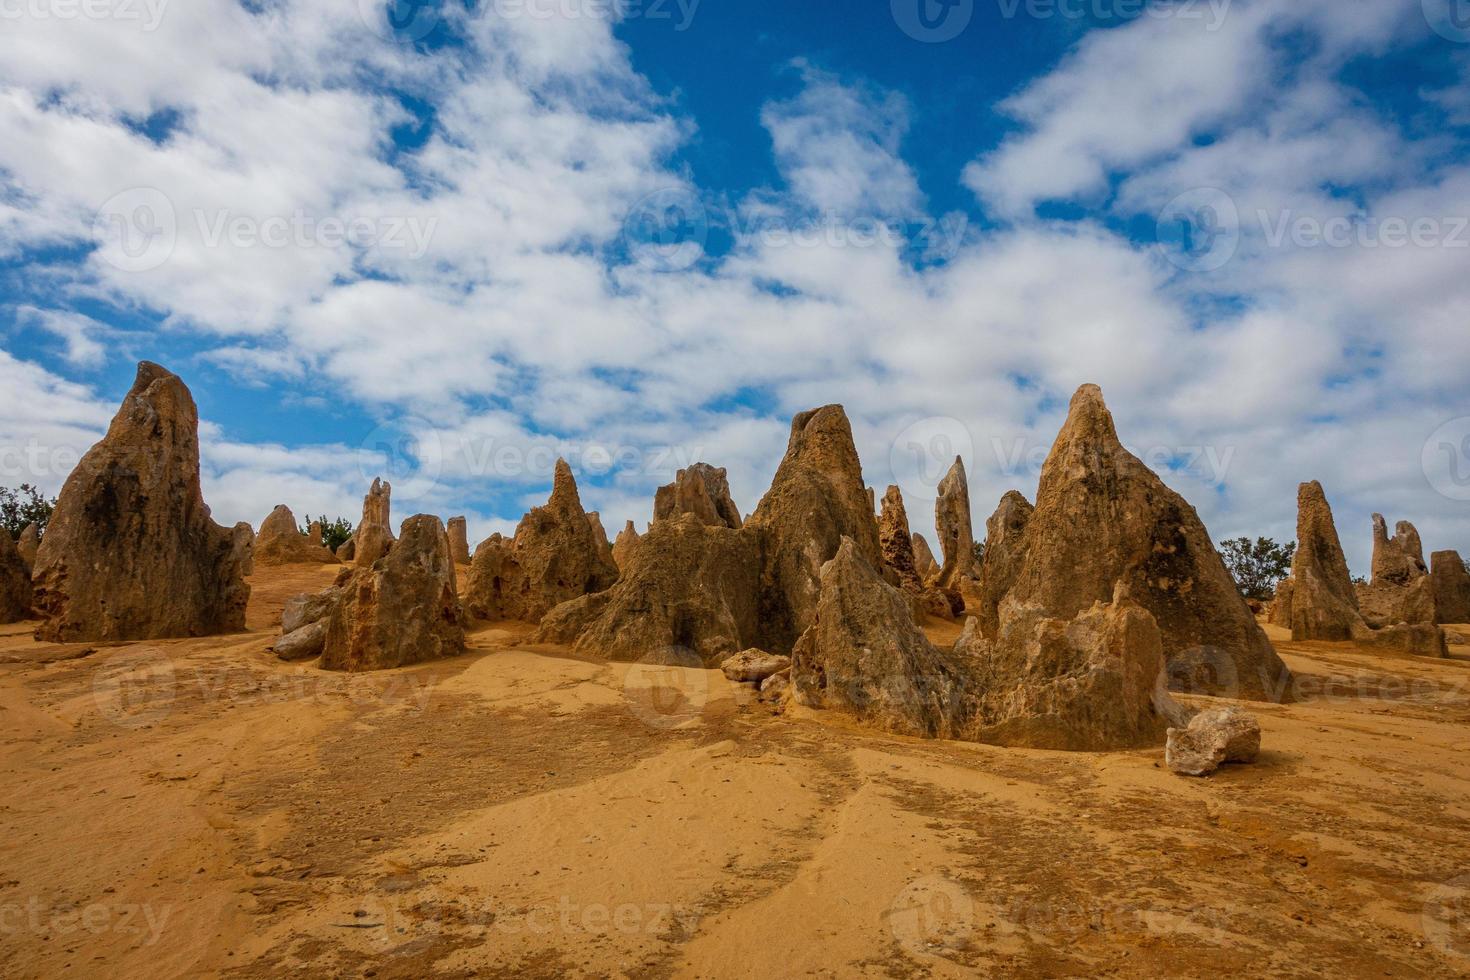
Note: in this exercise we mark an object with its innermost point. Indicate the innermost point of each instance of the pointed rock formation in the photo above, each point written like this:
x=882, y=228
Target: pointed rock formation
x=347, y=550
x=896, y=543
x=924, y=562
x=1278, y=613
x=15, y=582
x=688, y=585
x=625, y=545
x=1324, y=605
x=130, y=552
x=402, y=610
x=817, y=497
x=1400, y=591
x=1005, y=534
x=29, y=545
x=280, y=542
x=554, y=557
x=702, y=490
x=897, y=546
x=459, y=540
x=374, y=534
x=952, y=524
x=1103, y=517
x=1451, y=585
x=864, y=656
x=594, y=521
x=1398, y=560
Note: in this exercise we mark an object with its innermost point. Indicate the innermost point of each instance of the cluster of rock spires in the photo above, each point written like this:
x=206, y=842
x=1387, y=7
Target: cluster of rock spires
x=1085, y=610
x=556, y=554
x=1397, y=610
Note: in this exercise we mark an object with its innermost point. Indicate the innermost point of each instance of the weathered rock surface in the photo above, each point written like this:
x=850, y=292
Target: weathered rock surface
x=1451, y=584
x=594, y=521
x=401, y=610
x=924, y=562
x=754, y=666
x=459, y=540
x=774, y=688
x=15, y=582
x=625, y=545
x=689, y=585
x=307, y=608
x=1103, y=517
x=280, y=542
x=895, y=541
x=304, y=643
x=953, y=526
x=1324, y=601
x=1094, y=682
x=29, y=544
x=1324, y=605
x=702, y=490
x=1005, y=536
x=1400, y=590
x=347, y=550
x=864, y=656
x=131, y=552
x=374, y=534
x=897, y=546
x=554, y=557
x=1390, y=603
x=1418, y=639
x=1398, y=560
x=1090, y=683
x=1212, y=738
x=1278, y=613
x=817, y=497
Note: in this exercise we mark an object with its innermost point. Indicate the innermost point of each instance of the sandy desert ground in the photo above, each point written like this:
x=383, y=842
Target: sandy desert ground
x=200, y=808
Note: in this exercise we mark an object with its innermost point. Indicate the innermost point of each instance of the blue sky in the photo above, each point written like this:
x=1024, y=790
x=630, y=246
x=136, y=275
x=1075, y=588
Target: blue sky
x=449, y=243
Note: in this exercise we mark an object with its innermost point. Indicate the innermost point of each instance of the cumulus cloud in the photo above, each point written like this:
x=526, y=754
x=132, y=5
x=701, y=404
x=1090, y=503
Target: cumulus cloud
x=475, y=294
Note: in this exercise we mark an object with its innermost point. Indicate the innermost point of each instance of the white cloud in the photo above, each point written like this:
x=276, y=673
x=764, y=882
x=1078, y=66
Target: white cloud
x=838, y=147
x=519, y=325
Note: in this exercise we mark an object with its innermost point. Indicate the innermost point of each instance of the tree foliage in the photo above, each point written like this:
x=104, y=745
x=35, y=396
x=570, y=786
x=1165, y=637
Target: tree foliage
x=24, y=506
x=1257, y=565
x=334, y=533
